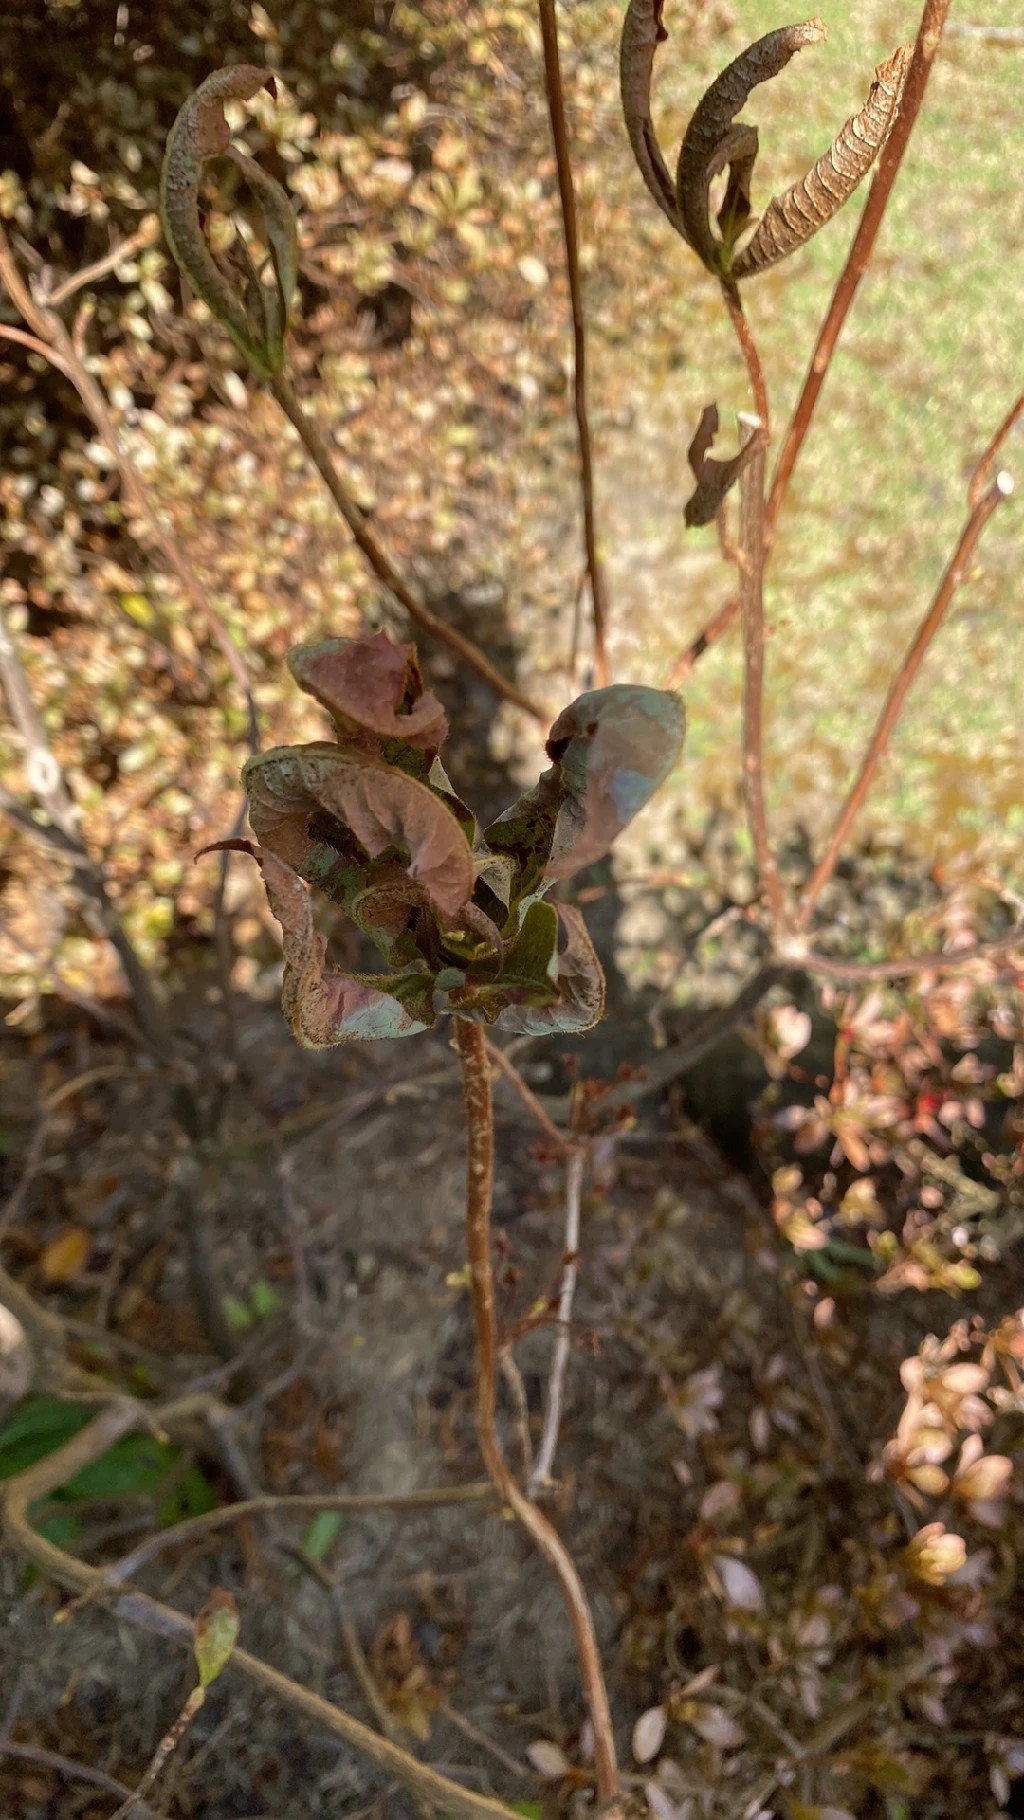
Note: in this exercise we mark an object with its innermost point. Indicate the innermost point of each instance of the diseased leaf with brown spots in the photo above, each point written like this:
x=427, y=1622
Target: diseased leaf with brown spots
x=715, y=142
x=324, y=1007
x=377, y=804
x=370, y=685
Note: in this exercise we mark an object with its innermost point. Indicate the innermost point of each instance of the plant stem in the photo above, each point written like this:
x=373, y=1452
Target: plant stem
x=751, y=357
x=752, y=553
x=951, y=581
x=377, y=557
x=694, y=651
x=541, y=1474
x=121, y=1416
x=723, y=619
x=470, y=1043
x=567, y=196
x=929, y=34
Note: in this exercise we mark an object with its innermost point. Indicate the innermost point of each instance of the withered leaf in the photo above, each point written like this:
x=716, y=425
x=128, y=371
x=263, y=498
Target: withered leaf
x=790, y=220
x=642, y=32
x=255, y=317
x=713, y=476
x=370, y=685
x=708, y=145
x=379, y=805
x=323, y=1007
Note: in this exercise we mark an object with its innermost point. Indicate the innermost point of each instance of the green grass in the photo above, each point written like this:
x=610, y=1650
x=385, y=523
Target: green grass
x=929, y=362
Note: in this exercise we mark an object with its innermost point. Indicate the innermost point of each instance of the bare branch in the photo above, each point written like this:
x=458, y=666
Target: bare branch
x=752, y=611
x=948, y=588
x=694, y=651
x=556, y=110
x=476, y=1079
x=541, y=1475
x=47, y=781
x=378, y=559
x=528, y=1097
x=55, y=344
x=120, y=1417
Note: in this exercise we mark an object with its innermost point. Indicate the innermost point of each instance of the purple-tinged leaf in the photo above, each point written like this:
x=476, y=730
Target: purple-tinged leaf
x=579, y=982
x=612, y=749
x=382, y=807
x=324, y=1007
x=371, y=686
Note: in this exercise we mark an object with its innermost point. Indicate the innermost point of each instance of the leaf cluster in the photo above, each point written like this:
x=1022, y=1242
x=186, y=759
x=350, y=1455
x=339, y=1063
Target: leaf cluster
x=371, y=820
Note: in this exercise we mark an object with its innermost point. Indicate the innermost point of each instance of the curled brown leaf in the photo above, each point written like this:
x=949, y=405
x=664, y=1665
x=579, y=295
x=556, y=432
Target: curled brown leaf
x=642, y=32
x=789, y=220
x=710, y=142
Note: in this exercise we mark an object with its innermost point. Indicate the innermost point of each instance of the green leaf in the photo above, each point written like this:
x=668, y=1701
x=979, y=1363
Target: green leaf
x=37, y=1428
x=322, y=1534
x=264, y=1299
x=131, y=1468
x=215, y=1634
x=192, y=1496
x=236, y=1313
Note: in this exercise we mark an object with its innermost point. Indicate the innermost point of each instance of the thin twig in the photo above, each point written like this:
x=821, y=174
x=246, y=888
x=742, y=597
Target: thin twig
x=528, y=1097
x=858, y=259
x=376, y=556
x=197, y=1529
x=833, y=968
x=751, y=357
x=476, y=1079
x=469, y=1730
x=691, y=654
x=752, y=610
x=705, y=1037
x=146, y=235
x=120, y=1417
x=985, y=472
x=541, y=1475
x=47, y=781
x=567, y=197
x=951, y=582
x=56, y=345
x=74, y=1772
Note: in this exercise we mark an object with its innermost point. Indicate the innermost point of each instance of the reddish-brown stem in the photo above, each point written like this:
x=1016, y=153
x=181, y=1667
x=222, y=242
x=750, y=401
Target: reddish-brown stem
x=377, y=557
x=567, y=197
x=929, y=34
x=508, y=1068
x=751, y=357
x=751, y=548
x=833, y=968
x=471, y=1045
x=951, y=581
x=695, y=650
x=984, y=473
